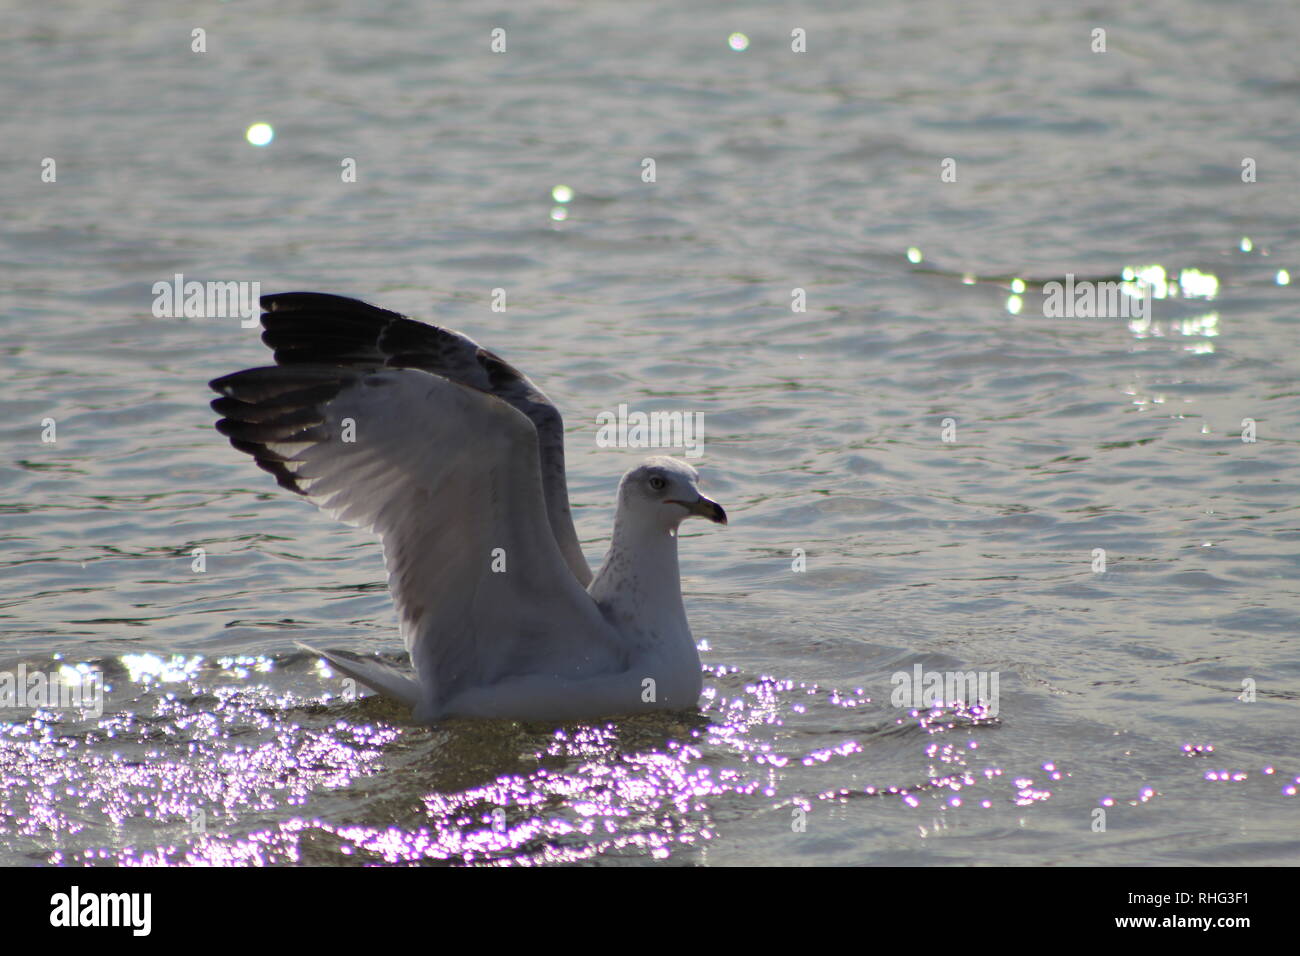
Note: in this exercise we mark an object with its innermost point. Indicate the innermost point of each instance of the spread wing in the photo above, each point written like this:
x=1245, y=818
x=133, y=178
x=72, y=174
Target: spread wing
x=449, y=477
x=319, y=329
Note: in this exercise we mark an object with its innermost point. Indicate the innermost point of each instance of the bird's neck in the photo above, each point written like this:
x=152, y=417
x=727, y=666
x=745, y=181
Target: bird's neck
x=639, y=579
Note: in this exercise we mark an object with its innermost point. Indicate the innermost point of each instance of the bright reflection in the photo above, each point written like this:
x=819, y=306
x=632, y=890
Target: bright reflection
x=1283, y=277
x=1146, y=280
x=143, y=668
x=738, y=42
x=284, y=771
x=75, y=675
x=559, y=213
x=1015, y=304
x=561, y=193
x=1154, y=280
x=1246, y=244
x=260, y=134
x=1203, y=327
x=1198, y=285
x=1206, y=325
x=914, y=255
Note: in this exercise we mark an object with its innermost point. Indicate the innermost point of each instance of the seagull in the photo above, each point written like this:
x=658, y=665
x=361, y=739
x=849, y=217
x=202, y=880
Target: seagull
x=455, y=459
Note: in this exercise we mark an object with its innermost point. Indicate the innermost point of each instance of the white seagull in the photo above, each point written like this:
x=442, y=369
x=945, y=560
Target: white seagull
x=456, y=460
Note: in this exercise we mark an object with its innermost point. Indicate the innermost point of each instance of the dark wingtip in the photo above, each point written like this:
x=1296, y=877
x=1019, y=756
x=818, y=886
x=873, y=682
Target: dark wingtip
x=321, y=302
x=261, y=407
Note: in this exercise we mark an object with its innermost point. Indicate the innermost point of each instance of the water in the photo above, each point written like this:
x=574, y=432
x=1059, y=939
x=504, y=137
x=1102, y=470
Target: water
x=775, y=171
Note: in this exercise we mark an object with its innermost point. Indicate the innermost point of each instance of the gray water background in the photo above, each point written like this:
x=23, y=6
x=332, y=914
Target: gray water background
x=221, y=742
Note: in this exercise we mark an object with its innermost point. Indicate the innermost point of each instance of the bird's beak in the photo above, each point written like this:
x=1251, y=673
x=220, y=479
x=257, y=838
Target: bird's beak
x=707, y=509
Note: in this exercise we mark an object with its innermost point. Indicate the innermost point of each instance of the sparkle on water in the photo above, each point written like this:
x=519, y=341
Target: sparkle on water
x=260, y=134
x=738, y=42
x=204, y=762
x=247, y=760
x=1141, y=283
x=561, y=193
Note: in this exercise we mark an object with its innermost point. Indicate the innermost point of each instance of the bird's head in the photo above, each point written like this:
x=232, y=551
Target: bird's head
x=665, y=491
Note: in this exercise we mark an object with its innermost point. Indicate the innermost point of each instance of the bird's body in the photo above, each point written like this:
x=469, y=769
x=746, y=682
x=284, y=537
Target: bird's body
x=456, y=460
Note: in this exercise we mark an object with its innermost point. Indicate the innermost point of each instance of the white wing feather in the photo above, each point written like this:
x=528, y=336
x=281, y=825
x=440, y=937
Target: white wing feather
x=448, y=477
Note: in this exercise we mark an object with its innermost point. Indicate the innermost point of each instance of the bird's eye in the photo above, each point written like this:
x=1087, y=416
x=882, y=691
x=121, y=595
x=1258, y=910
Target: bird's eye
x=657, y=483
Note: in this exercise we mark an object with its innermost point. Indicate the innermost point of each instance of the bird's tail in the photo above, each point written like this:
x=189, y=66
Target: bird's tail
x=376, y=675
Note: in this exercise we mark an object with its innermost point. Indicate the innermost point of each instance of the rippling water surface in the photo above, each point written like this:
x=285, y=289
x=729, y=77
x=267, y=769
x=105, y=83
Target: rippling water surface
x=1162, y=691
